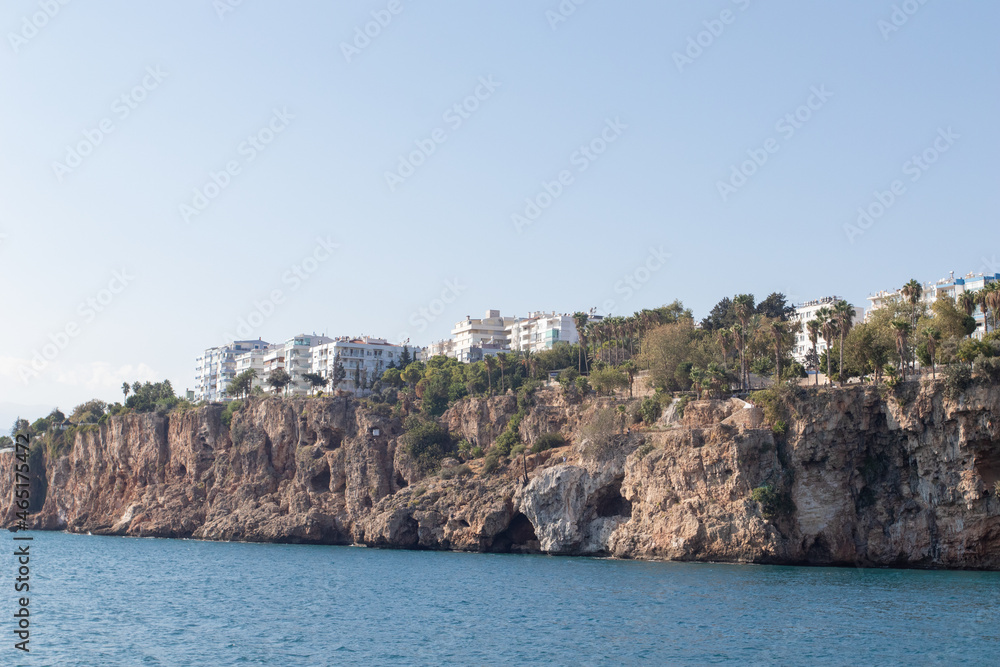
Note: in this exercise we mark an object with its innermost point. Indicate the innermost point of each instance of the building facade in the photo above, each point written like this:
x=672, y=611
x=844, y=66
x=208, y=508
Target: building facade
x=951, y=287
x=363, y=359
x=217, y=366
x=469, y=336
x=805, y=312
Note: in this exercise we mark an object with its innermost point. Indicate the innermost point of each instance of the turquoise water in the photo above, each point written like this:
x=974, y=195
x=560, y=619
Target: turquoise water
x=119, y=601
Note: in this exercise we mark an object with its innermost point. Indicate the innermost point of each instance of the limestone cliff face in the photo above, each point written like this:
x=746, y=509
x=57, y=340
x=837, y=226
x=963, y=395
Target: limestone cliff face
x=855, y=479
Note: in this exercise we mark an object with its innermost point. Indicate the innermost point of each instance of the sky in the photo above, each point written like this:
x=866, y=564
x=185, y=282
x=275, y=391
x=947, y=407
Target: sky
x=176, y=174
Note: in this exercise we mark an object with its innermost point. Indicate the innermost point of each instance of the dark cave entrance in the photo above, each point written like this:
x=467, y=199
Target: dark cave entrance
x=519, y=537
x=609, y=501
x=321, y=480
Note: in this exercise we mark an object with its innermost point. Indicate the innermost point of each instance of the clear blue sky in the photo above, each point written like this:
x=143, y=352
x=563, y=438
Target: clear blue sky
x=680, y=129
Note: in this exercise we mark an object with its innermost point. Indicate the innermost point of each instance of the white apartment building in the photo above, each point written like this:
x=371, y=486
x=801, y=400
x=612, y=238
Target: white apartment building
x=805, y=312
x=216, y=368
x=541, y=331
x=297, y=360
x=950, y=287
x=470, y=335
x=364, y=359
x=445, y=348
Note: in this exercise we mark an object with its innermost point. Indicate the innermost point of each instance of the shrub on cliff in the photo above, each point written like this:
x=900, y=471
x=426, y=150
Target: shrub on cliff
x=650, y=410
x=428, y=443
x=548, y=441
x=957, y=378
x=988, y=369
x=773, y=504
x=601, y=434
x=231, y=408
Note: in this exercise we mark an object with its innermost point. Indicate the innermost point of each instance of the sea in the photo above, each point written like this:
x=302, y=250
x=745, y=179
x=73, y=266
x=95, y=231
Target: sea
x=127, y=601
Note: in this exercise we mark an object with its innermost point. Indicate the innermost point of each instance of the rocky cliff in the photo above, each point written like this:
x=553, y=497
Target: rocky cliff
x=840, y=477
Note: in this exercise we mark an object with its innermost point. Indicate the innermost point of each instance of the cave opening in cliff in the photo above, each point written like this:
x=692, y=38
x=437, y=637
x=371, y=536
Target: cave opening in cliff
x=321, y=480
x=608, y=501
x=331, y=438
x=518, y=537
x=987, y=464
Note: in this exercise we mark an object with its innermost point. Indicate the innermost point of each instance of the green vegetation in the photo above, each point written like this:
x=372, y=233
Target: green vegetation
x=650, y=410
x=773, y=504
x=548, y=441
x=231, y=408
x=428, y=443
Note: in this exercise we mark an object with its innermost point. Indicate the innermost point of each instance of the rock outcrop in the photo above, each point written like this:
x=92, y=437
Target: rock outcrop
x=850, y=477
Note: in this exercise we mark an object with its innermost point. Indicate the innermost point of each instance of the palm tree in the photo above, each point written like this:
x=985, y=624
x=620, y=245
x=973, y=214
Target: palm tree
x=739, y=341
x=743, y=307
x=813, y=327
x=844, y=314
x=697, y=376
x=502, y=362
x=828, y=326
x=125, y=390
x=931, y=338
x=902, y=331
x=490, y=364
x=630, y=370
x=580, y=321
x=991, y=301
x=726, y=343
x=967, y=302
x=778, y=331
x=912, y=291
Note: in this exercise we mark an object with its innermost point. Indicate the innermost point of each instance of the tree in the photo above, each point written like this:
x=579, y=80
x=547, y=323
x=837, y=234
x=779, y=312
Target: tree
x=337, y=375
x=813, y=328
x=901, y=328
x=828, y=326
x=775, y=307
x=912, y=292
x=697, y=378
x=580, y=322
x=405, y=358
x=315, y=380
x=630, y=369
x=242, y=384
x=125, y=390
x=413, y=373
x=391, y=377
x=844, y=314
x=720, y=317
x=931, y=338
x=778, y=331
x=502, y=363
x=279, y=379
x=967, y=302
x=744, y=308
x=490, y=364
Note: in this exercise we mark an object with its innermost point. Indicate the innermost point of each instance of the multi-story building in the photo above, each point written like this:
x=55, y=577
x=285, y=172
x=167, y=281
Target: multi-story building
x=297, y=361
x=363, y=359
x=951, y=287
x=440, y=348
x=469, y=335
x=805, y=312
x=541, y=331
x=216, y=368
